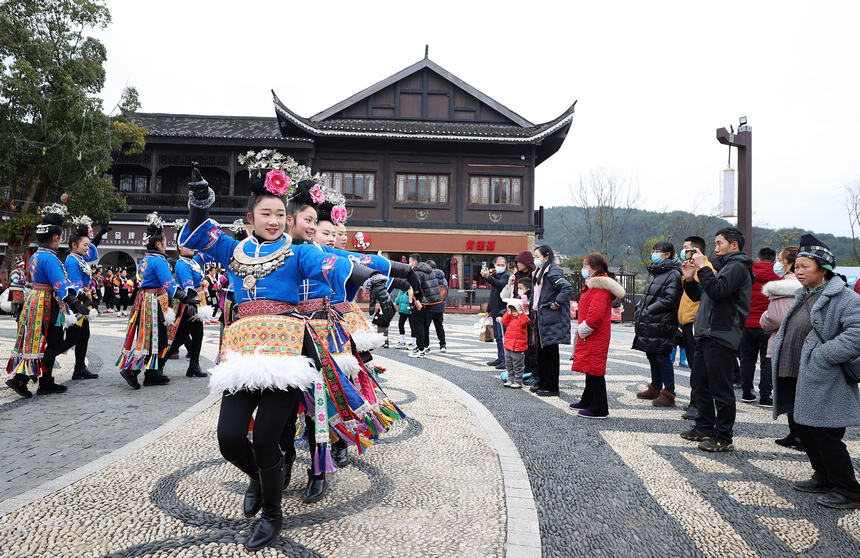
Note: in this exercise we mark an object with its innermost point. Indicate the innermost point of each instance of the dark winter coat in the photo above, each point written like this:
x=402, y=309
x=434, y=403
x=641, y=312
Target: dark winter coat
x=595, y=309
x=657, y=311
x=440, y=278
x=429, y=292
x=553, y=325
x=497, y=281
x=823, y=398
x=724, y=299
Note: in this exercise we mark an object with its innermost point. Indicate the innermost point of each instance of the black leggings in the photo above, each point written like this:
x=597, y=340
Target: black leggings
x=79, y=336
x=274, y=407
x=190, y=334
x=401, y=322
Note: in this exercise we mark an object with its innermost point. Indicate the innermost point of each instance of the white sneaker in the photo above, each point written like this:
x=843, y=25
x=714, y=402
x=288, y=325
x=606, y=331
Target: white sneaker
x=507, y=384
x=426, y=351
x=416, y=353
x=515, y=386
x=400, y=345
x=443, y=350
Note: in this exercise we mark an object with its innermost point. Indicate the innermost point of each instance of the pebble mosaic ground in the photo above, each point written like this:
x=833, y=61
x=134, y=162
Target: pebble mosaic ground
x=626, y=486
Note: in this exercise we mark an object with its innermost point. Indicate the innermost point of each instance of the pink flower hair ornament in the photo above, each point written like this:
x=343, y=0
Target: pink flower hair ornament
x=317, y=194
x=338, y=214
x=277, y=183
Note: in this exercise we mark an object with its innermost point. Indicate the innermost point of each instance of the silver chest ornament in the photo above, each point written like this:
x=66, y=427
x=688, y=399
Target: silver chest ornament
x=252, y=268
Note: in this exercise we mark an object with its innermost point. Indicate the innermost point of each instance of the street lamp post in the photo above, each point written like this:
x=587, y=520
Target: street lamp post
x=743, y=141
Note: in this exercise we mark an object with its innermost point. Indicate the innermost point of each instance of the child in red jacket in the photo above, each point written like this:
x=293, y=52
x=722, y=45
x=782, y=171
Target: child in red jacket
x=516, y=341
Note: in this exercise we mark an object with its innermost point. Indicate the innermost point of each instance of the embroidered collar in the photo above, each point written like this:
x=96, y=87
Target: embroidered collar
x=818, y=289
x=156, y=253
x=195, y=267
x=46, y=249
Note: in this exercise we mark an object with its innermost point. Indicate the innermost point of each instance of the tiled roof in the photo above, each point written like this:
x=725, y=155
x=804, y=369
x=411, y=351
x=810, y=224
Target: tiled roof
x=423, y=129
x=204, y=126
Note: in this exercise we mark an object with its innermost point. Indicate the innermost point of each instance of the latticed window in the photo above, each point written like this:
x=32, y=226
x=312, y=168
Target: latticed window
x=495, y=190
x=353, y=185
x=421, y=188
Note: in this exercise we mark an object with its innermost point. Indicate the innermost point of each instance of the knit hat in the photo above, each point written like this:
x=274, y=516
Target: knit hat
x=811, y=247
x=527, y=258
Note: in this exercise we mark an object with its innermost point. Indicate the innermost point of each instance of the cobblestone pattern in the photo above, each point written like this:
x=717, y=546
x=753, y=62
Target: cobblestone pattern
x=629, y=485
x=431, y=487
x=46, y=436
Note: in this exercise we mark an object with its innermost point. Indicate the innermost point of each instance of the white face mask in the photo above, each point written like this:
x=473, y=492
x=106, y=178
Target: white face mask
x=538, y=262
x=521, y=292
x=500, y=269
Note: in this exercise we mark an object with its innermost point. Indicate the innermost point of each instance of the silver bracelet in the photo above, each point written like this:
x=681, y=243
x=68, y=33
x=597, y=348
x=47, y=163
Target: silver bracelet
x=201, y=204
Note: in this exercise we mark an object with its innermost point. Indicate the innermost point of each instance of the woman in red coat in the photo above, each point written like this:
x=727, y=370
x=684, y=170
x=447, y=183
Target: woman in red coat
x=593, y=334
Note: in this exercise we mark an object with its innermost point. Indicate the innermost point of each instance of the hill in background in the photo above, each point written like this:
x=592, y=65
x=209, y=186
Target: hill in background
x=566, y=231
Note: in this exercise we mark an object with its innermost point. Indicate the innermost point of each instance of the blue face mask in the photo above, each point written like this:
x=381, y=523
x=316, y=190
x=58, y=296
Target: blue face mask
x=778, y=269
x=585, y=273
x=500, y=269
x=656, y=257
x=538, y=263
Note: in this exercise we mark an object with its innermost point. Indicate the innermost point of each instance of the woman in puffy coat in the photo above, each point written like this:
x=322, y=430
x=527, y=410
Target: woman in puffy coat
x=820, y=332
x=657, y=323
x=593, y=334
x=780, y=296
x=550, y=308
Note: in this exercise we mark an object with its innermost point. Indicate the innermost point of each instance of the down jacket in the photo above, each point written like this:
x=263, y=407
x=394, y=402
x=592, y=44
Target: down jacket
x=553, y=325
x=657, y=311
x=823, y=398
x=429, y=292
x=781, y=296
x=758, y=301
x=517, y=334
x=595, y=309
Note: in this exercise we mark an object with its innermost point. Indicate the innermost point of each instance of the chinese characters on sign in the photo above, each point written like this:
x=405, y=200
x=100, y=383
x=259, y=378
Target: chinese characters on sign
x=481, y=245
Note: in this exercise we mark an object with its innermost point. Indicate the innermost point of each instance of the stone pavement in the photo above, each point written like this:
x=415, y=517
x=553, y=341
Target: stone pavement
x=476, y=470
x=629, y=485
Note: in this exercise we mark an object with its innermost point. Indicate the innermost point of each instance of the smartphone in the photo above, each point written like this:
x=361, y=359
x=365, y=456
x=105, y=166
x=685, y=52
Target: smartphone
x=483, y=266
x=687, y=254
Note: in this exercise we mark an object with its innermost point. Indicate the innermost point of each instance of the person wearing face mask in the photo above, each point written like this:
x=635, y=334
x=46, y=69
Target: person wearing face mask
x=657, y=321
x=550, y=318
x=498, y=280
x=593, y=334
x=724, y=304
x=780, y=296
x=754, y=341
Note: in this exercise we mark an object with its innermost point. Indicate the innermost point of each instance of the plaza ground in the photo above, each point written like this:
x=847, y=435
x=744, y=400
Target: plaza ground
x=475, y=470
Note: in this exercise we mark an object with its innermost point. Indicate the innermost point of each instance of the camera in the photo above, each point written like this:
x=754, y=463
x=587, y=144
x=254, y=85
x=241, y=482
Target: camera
x=687, y=254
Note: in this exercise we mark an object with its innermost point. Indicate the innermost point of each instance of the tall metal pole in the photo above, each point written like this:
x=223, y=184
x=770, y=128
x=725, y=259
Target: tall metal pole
x=743, y=141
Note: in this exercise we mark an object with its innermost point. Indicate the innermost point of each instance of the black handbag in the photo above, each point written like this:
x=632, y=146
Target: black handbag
x=850, y=369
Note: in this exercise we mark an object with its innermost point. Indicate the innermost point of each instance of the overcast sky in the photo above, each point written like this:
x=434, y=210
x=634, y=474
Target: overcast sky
x=653, y=79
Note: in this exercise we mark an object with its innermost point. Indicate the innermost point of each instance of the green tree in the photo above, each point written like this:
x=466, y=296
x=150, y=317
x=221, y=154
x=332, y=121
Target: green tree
x=55, y=137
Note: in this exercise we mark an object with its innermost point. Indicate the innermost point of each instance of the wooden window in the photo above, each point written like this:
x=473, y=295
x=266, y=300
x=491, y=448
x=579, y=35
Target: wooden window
x=137, y=184
x=495, y=190
x=353, y=185
x=421, y=188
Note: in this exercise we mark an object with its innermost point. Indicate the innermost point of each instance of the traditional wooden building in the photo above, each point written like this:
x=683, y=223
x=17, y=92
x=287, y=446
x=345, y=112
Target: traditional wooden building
x=427, y=162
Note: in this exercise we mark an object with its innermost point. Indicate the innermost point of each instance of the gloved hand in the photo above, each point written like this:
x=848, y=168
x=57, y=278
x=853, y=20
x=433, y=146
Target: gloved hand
x=191, y=310
x=78, y=308
x=100, y=235
x=84, y=299
x=583, y=330
x=380, y=293
x=198, y=185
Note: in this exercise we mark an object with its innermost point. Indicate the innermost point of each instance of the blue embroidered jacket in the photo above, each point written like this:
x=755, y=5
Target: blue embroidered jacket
x=189, y=271
x=307, y=262
x=46, y=268
x=78, y=267
x=310, y=290
x=154, y=272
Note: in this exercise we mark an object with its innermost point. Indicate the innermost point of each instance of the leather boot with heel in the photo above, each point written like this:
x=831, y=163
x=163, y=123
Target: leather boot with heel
x=253, y=500
x=315, y=489
x=194, y=370
x=272, y=518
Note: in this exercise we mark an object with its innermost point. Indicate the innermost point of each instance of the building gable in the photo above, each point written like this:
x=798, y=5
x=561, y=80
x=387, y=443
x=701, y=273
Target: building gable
x=427, y=92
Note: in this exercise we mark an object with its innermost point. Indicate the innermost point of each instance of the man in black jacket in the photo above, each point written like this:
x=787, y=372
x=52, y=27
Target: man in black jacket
x=498, y=280
x=724, y=305
x=425, y=295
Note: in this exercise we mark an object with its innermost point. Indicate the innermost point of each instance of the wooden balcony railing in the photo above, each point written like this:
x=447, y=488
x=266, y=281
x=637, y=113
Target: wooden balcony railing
x=143, y=203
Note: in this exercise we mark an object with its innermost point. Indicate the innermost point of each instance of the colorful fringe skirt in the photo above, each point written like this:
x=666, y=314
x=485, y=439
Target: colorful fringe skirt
x=40, y=309
x=150, y=331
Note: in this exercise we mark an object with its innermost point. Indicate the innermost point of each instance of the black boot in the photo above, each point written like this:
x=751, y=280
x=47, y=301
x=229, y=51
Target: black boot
x=288, y=470
x=315, y=490
x=194, y=370
x=83, y=373
x=47, y=386
x=272, y=518
x=130, y=377
x=18, y=384
x=339, y=454
x=253, y=500
x=154, y=378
